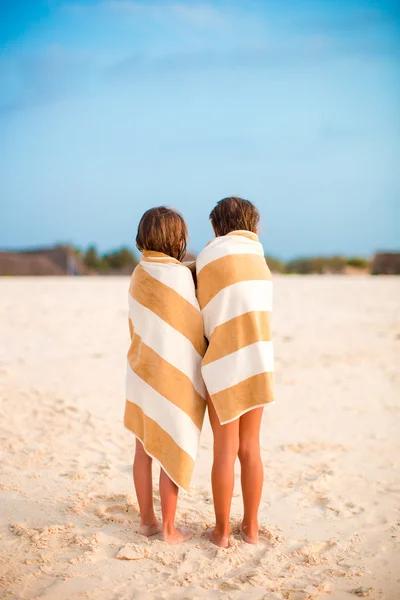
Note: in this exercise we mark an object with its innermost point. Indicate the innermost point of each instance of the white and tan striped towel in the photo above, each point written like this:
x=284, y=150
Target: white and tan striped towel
x=165, y=394
x=235, y=294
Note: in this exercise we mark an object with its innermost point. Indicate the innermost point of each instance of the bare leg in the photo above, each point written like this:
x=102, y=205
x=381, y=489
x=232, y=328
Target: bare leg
x=226, y=445
x=252, y=472
x=144, y=491
x=169, y=498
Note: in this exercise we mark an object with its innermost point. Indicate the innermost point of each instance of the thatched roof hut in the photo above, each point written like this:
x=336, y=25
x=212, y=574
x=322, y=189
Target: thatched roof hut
x=61, y=260
x=386, y=263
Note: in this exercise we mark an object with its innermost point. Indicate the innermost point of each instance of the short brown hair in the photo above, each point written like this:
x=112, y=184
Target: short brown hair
x=163, y=229
x=234, y=214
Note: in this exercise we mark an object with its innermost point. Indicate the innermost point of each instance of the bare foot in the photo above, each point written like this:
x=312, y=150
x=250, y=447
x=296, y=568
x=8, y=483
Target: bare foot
x=248, y=537
x=149, y=530
x=177, y=536
x=222, y=541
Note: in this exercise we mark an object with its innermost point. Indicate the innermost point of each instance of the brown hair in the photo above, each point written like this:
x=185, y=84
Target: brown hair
x=233, y=214
x=164, y=230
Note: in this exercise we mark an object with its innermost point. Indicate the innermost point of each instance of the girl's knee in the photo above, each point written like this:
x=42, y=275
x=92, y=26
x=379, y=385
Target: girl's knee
x=225, y=457
x=249, y=451
x=227, y=452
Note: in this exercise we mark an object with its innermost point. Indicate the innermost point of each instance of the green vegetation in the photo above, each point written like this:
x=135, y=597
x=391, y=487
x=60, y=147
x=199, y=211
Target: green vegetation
x=120, y=259
x=92, y=259
x=318, y=265
x=108, y=262
x=358, y=262
x=276, y=265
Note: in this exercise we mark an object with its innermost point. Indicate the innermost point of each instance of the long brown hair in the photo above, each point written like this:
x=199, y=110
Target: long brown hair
x=234, y=214
x=163, y=229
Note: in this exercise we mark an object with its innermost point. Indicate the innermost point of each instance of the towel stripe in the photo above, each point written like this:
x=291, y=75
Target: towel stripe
x=168, y=416
x=236, y=300
x=168, y=342
x=244, y=396
x=181, y=279
x=166, y=379
x=238, y=366
x=177, y=464
x=238, y=333
x=229, y=269
x=158, y=257
x=169, y=305
x=218, y=249
x=244, y=233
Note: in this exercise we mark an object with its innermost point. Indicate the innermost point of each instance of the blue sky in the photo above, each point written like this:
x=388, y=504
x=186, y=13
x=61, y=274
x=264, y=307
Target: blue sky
x=109, y=107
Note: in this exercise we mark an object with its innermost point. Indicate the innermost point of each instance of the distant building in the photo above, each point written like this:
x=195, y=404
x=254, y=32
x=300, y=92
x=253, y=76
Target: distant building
x=57, y=261
x=386, y=263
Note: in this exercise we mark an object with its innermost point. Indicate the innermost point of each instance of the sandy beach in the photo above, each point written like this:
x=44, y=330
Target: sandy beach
x=330, y=513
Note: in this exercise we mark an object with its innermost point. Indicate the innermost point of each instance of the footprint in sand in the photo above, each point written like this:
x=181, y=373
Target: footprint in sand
x=55, y=537
x=114, y=508
x=312, y=447
x=314, y=553
x=344, y=510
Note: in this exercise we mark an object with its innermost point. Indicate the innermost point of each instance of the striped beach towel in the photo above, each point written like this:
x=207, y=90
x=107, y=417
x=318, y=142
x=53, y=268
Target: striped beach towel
x=235, y=294
x=165, y=394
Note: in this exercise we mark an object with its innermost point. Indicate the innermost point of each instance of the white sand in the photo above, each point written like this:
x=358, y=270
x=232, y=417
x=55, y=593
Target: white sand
x=330, y=508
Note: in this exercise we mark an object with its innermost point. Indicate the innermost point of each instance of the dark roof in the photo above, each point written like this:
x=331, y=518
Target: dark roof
x=61, y=260
x=386, y=263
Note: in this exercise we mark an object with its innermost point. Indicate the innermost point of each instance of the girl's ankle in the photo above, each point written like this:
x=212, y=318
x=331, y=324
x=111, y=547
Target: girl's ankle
x=169, y=528
x=222, y=530
x=148, y=521
x=250, y=526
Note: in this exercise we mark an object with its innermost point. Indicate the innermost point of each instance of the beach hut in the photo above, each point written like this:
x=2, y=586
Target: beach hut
x=386, y=263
